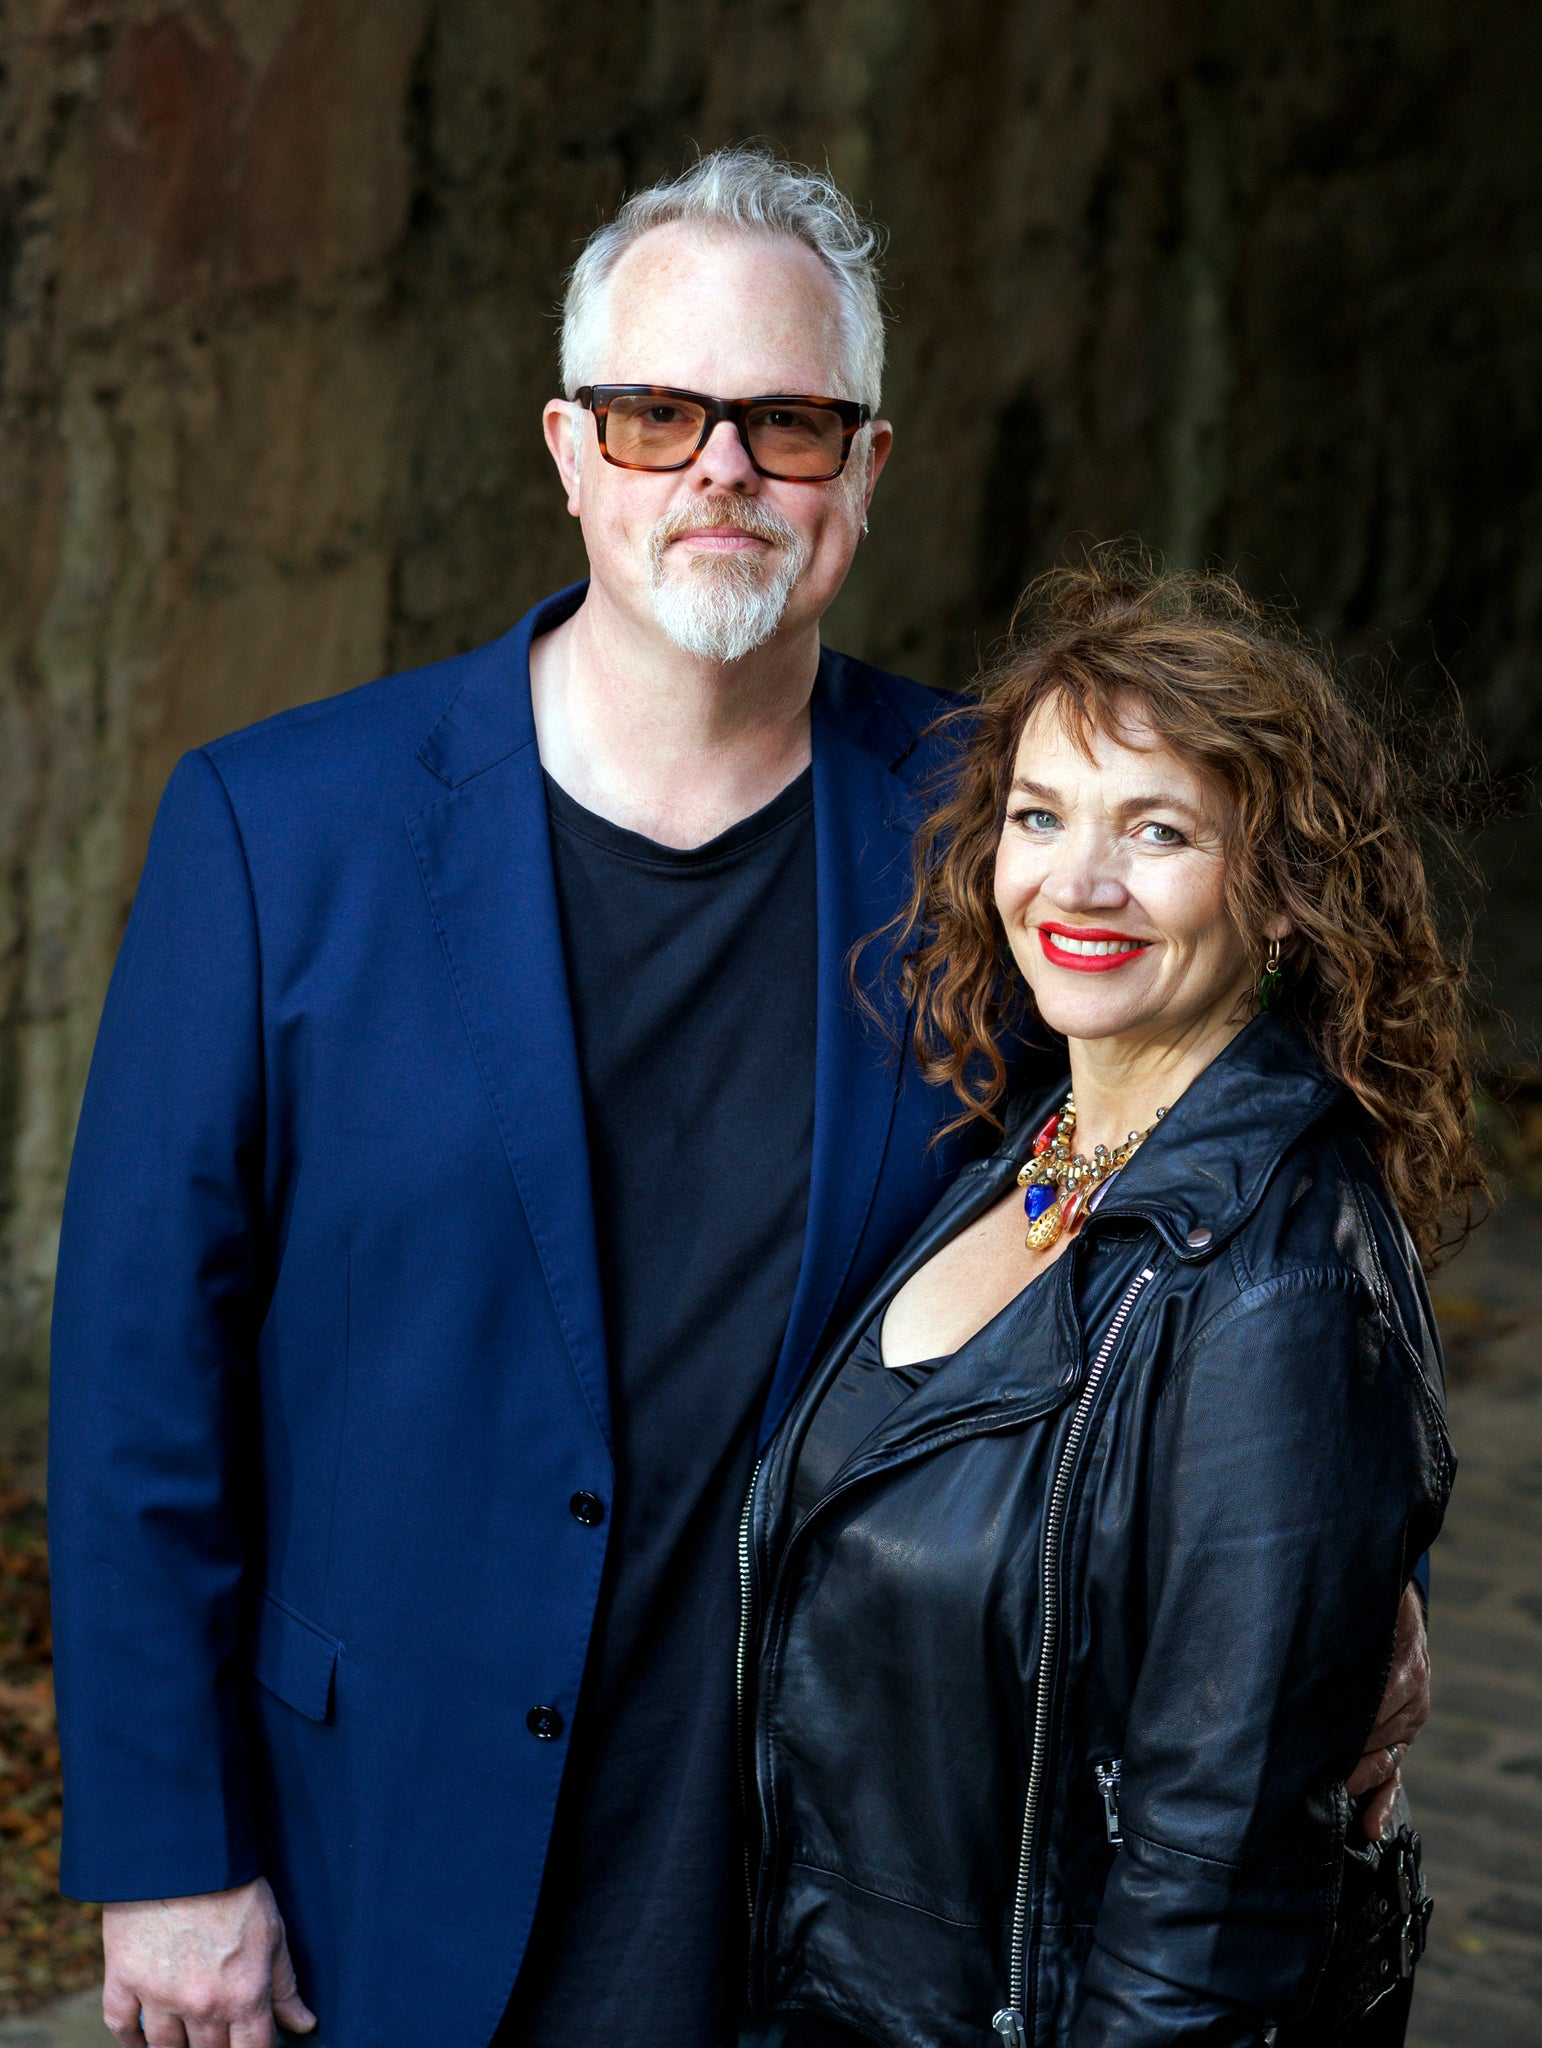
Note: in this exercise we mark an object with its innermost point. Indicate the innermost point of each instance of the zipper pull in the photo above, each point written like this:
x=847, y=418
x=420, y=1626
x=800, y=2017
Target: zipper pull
x=1012, y=2028
x=1106, y=1777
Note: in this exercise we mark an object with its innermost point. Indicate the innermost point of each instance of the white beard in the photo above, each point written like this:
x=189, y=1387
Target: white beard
x=722, y=607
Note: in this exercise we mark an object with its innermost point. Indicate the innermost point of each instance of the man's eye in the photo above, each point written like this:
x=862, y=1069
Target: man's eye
x=662, y=415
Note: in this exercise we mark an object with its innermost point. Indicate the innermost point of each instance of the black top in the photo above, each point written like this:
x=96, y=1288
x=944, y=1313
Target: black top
x=862, y=1393
x=693, y=982
x=865, y=1390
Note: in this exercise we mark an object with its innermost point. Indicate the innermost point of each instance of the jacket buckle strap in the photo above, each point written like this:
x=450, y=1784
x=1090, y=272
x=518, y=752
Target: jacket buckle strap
x=1417, y=1905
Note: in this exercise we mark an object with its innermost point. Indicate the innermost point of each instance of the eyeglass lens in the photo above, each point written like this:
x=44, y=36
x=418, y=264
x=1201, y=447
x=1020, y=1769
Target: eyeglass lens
x=658, y=433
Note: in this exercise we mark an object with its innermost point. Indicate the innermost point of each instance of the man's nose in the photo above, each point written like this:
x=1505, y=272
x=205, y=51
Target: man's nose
x=724, y=463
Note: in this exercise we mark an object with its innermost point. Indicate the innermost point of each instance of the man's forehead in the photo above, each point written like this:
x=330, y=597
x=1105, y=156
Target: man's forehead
x=687, y=304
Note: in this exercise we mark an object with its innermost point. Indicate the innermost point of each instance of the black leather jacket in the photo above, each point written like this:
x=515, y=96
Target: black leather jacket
x=1054, y=1691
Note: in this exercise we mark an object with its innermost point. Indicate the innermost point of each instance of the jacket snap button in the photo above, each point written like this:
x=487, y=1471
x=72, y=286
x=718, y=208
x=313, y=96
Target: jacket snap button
x=588, y=1508
x=1200, y=1238
x=544, y=1723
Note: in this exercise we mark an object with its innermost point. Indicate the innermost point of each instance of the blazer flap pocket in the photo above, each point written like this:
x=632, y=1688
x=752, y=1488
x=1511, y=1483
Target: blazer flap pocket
x=294, y=1659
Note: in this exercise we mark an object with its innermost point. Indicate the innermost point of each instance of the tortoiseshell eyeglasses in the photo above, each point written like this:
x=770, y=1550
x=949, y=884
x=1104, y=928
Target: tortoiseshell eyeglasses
x=790, y=439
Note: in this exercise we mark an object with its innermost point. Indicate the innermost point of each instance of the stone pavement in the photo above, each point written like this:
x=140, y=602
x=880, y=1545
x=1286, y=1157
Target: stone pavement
x=1475, y=1778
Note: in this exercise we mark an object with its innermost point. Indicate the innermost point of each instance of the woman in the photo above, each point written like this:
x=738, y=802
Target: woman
x=1071, y=1581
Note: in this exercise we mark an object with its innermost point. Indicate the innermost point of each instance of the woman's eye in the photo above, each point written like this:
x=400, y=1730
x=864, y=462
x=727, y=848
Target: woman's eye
x=1162, y=835
x=1035, y=821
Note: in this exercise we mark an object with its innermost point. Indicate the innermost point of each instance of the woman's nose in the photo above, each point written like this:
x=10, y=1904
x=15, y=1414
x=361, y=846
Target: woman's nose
x=1085, y=881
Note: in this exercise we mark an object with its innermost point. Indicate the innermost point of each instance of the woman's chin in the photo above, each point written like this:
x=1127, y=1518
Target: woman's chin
x=1073, y=1015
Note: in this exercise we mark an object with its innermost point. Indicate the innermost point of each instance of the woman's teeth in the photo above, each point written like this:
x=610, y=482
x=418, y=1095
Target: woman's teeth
x=1070, y=945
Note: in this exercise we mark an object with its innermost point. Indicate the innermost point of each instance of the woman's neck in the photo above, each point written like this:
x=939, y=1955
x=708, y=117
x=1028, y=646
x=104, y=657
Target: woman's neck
x=1120, y=1083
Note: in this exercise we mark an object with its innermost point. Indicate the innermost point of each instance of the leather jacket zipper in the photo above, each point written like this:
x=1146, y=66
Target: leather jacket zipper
x=1011, y=2022
x=1106, y=1777
x=741, y=1678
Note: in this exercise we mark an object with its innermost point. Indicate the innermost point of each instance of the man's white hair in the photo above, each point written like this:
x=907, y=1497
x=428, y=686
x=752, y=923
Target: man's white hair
x=744, y=188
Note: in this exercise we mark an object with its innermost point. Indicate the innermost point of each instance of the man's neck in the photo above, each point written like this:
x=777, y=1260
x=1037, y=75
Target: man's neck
x=660, y=742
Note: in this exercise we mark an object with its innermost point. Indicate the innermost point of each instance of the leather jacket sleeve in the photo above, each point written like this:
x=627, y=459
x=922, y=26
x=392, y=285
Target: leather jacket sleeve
x=1297, y=1465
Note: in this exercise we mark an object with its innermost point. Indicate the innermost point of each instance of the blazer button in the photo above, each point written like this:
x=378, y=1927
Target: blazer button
x=544, y=1723
x=588, y=1508
x=1200, y=1238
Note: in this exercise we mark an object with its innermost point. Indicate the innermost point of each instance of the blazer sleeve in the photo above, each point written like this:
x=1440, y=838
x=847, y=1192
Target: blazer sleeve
x=1298, y=1466
x=160, y=1295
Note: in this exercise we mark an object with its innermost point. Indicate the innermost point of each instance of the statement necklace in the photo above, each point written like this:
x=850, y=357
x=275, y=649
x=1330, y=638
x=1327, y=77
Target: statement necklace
x=1058, y=1181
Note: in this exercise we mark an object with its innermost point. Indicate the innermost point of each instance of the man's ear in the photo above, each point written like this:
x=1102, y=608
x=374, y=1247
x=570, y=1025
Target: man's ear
x=562, y=421
x=880, y=442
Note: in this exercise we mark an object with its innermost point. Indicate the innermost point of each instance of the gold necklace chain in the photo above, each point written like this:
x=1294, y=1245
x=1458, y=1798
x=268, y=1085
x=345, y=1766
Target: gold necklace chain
x=1058, y=1181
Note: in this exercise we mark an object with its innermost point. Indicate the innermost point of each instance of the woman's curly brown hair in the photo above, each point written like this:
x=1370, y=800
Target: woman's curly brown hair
x=1321, y=827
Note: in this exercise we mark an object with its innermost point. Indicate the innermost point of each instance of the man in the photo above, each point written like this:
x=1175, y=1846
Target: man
x=481, y=1135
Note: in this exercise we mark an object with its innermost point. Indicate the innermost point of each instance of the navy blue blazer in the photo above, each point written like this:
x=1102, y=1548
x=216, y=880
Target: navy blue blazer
x=329, y=1360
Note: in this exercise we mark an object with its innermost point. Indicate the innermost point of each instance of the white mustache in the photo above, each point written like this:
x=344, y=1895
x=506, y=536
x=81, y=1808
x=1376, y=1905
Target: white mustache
x=745, y=517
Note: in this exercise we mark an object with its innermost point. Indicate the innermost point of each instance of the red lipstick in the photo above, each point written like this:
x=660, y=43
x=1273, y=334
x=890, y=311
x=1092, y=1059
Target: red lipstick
x=1121, y=947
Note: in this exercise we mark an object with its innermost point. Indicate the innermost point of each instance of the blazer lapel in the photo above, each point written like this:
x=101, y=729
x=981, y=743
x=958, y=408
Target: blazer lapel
x=485, y=857
x=862, y=845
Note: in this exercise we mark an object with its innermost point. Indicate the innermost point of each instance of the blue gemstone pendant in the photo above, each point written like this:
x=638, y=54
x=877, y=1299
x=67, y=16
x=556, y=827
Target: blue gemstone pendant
x=1040, y=1196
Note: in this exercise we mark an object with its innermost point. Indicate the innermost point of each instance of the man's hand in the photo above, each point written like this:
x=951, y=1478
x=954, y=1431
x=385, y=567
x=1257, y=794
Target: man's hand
x=1404, y=1709
x=206, y=1972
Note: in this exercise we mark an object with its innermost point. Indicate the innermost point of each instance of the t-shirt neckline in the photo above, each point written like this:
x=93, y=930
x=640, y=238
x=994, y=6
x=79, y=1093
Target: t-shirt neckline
x=569, y=816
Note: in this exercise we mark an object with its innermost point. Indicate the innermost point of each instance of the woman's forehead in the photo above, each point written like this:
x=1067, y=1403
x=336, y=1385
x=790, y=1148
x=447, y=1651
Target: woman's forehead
x=1126, y=736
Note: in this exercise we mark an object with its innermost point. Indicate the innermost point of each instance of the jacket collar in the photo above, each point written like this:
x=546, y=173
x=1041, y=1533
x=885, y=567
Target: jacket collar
x=490, y=716
x=1203, y=1170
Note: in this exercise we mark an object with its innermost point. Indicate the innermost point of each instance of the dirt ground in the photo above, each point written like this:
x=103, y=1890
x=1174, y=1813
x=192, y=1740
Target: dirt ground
x=1475, y=1779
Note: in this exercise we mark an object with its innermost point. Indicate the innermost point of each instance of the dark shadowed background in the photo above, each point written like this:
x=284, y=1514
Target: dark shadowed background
x=277, y=281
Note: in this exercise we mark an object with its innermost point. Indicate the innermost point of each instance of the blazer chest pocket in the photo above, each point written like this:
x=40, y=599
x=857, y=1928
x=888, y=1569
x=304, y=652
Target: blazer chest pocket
x=294, y=1659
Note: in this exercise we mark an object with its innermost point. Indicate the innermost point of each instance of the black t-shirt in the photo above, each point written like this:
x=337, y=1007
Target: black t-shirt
x=693, y=981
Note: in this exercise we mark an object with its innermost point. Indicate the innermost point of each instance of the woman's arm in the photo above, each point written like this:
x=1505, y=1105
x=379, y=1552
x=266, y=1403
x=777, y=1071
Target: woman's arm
x=1298, y=1466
